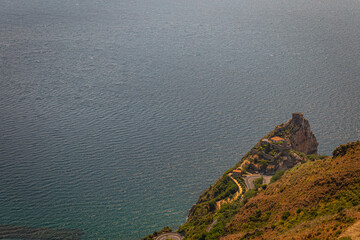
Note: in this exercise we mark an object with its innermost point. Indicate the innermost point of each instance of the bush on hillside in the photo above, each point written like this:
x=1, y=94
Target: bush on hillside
x=277, y=176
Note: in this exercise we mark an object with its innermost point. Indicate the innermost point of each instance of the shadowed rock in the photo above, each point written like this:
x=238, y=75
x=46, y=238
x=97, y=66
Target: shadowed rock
x=277, y=150
x=298, y=131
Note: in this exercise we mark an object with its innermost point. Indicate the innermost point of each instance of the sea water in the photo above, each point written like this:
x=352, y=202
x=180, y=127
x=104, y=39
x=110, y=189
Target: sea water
x=116, y=115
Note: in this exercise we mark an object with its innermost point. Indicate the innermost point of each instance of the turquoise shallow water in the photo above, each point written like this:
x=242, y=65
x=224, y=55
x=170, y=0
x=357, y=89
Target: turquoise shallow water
x=116, y=115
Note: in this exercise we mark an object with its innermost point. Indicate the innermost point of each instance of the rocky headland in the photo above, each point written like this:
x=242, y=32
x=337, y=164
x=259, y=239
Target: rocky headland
x=282, y=148
x=282, y=189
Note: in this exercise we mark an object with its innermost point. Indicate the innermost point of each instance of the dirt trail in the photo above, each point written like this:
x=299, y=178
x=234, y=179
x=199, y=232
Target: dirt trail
x=228, y=200
x=211, y=225
x=236, y=195
x=172, y=236
x=249, y=182
x=353, y=232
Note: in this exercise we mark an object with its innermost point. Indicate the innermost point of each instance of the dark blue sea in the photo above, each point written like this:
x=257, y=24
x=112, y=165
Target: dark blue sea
x=116, y=115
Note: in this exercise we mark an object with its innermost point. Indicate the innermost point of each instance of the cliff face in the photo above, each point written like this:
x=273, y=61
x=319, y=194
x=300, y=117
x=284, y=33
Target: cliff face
x=282, y=148
x=286, y=146
x=298, y=131
x=319, y=198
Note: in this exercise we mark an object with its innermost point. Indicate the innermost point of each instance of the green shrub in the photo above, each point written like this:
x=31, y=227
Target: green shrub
x=341, y=151
x=249, y=194
x=256, y=217
x=258, y=182
x=217, y=231
x=285, y=215
x=337, y=233
x=277, y=176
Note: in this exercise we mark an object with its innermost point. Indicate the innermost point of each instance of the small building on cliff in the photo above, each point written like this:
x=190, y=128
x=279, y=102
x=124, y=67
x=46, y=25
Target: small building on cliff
x=237, y=173
x=277, y=139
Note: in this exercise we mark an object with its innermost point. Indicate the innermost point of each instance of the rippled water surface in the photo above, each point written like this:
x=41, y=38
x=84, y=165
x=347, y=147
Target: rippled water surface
x=116, y=115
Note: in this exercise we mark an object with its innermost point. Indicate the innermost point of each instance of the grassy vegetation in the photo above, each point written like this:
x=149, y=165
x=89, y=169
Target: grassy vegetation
x=277, y=176
x=311, y=157
x=224, y=188
x=225, y=214
x=343, y=149
x=315, y=200
x=258, y=182
x=204, y=211
x=241, y=181
x=249, y=194
x=333, y=212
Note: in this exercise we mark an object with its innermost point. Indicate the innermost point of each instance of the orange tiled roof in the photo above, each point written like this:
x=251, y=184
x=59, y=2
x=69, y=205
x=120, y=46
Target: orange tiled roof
x=277, y=139
x=237, y=171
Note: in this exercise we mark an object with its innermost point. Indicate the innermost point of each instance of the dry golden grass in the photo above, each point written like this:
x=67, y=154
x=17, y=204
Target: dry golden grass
x=321, y=198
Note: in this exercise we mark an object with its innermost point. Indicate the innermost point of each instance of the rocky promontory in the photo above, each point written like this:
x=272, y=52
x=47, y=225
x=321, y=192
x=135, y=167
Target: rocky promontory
x=281, y=189
x=289, y=144
x=282, y=148
x=297, y=131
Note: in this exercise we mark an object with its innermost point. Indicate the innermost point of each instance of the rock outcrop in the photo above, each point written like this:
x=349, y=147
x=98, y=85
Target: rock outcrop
x=280, y=149
x=298, y=131
x=289, y=144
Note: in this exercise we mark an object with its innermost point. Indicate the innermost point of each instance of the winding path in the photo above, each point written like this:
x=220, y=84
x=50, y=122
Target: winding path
x=228, y=200
x=237, y=183
x=249, y=180
x=211, y=225
x=236, y=195
x=173, y=236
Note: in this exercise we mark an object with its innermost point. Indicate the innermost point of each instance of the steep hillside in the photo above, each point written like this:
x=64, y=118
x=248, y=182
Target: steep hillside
x=319, y=199
x=308, y=197
x=286, y=146
x=315, y=200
